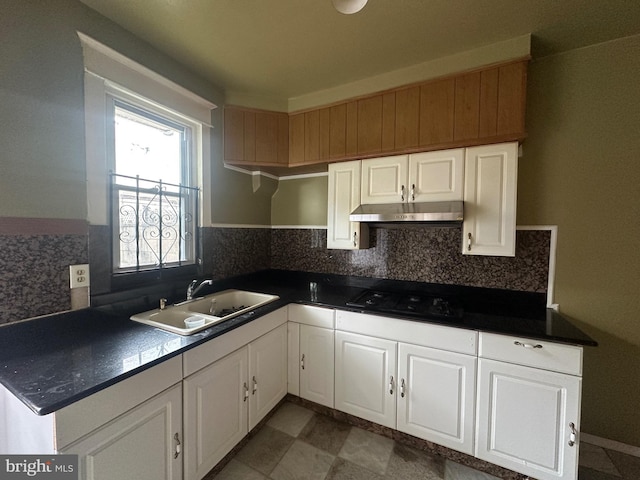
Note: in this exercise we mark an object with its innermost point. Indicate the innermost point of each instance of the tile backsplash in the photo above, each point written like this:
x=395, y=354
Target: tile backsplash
x=34, y=268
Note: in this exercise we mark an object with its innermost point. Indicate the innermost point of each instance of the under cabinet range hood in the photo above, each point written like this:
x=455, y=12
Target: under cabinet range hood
x=423, y=212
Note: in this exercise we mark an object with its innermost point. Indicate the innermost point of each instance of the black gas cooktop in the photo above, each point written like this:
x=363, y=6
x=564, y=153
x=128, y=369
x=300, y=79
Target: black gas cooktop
x=412, y=304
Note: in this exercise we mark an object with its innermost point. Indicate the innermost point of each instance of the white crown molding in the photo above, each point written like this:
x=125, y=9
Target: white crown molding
x=304, y=175
x=251, y=172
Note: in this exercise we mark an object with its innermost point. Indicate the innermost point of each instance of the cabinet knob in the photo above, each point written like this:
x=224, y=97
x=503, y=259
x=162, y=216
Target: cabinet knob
x=355, y=239
x=391, y=385
x=246, y=391
x=573, y=434
x=527, y=345
x=178, y=448
x=469, y=242
x=413, y=192
x=402, y=193
x=302, y=362
x=255, y=386
x=402, y=388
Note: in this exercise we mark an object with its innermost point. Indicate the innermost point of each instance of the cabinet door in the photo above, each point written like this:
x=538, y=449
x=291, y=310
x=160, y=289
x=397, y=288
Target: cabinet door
x=343, y=198
x=489, y=226
x=366, y=381
x=215, y=412
x=436, y=176
x=267, y=373
x=384, y=180
x=437, y=396
x=142, y=444
x=525, y=417
x=316, y=364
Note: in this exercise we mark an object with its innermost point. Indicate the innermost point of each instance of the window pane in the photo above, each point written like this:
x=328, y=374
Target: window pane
x=147, y=147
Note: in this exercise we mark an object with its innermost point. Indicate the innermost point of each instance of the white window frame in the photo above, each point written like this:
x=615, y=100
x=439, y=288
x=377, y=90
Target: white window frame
x=109, y=74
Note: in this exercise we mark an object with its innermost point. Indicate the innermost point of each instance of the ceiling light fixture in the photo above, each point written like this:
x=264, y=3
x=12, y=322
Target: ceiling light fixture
x=349, y=6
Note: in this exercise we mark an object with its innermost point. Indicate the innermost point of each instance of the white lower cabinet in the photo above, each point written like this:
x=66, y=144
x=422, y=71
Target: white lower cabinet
x=528, y=417
x=366, y=377
x=437, y=396
x=227, y=398
x=316, y=364
x=143, y=444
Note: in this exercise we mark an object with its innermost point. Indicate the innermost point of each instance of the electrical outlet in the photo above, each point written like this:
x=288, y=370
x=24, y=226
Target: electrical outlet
x=79, y=275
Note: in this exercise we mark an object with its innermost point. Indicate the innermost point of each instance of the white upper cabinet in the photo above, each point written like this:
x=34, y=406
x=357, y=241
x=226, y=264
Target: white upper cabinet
x=420, y=177
x=490, y=183
x=344, y=198
x=436, y=176
x=385, y=179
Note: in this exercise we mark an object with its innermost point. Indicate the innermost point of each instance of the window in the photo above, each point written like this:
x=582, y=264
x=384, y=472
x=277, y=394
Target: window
x=148, y=159
x=154, y=205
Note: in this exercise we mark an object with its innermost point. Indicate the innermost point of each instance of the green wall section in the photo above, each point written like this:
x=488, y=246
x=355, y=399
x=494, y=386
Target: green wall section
x=300, y=201
x=580, y=171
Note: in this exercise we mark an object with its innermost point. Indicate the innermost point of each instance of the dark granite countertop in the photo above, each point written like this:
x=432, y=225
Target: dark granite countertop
x=53, y=361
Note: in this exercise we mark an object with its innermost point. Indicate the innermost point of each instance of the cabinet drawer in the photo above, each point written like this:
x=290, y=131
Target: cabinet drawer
x=310, y=315
x=534, y=353
x=416, y=333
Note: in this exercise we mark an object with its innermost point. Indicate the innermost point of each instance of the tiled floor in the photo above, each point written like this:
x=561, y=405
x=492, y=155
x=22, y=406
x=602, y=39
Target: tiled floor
x=297, y=443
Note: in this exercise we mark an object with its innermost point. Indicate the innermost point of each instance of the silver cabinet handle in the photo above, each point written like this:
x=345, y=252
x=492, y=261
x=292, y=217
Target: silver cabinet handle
x=527, y=345
x=402, y=193
x=302, y=362
x=255, y=386
x=469, y=242
x=413, y=192
x=402, y=388
x=178, y=449
x=391, y=385
x=246, y=391
x=573, y=435
x=355, y=239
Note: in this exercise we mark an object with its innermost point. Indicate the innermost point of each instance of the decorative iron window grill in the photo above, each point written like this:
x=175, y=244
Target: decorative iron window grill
x=154, y=224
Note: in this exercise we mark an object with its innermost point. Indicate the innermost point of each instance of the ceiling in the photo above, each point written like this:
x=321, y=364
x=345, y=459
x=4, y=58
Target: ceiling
x=290, y=48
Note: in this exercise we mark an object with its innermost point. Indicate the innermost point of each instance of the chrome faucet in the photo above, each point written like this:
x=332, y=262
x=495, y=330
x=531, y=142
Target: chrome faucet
x=192, y=289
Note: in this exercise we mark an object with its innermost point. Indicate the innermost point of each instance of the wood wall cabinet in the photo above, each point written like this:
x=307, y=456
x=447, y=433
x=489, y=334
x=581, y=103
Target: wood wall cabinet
x=255, y=137
x=483, y=106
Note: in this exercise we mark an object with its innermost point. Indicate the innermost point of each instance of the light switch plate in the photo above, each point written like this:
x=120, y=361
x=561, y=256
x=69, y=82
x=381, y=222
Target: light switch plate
x=79, y=275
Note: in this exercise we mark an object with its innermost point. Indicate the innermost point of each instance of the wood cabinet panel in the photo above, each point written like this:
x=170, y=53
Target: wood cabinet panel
x=437, y=112
x=467, y=107
x=312, y=136
x=512, y=83
x=249, y=136
x=352, y=129
x=233, y=135
x=337, y=131
x=488, y=121
x=283, y=138
x=266, y=137
x=325, y=132
x=296, y=138
x=407, y=118
x=370, y=125
x=388, y=122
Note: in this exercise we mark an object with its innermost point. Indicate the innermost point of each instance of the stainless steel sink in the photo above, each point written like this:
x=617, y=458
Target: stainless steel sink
x=201, y=313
